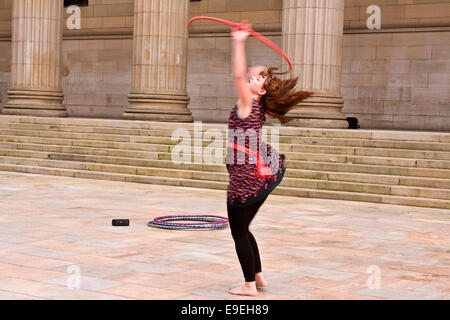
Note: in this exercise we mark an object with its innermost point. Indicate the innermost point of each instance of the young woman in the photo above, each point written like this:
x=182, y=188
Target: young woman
x=261, y=93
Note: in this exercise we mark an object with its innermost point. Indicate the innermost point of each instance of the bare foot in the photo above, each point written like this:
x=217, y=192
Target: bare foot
x=259, y=279
x=247, y=289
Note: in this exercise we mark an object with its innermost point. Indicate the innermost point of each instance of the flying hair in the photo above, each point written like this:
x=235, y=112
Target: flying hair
x=281, y=95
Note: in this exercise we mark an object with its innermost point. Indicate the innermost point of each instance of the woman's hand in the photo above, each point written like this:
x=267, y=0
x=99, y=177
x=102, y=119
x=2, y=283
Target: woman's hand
x=241, y=34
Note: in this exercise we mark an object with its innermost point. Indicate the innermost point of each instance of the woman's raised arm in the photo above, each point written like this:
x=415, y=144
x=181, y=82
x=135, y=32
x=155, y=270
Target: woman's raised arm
x=239, y=69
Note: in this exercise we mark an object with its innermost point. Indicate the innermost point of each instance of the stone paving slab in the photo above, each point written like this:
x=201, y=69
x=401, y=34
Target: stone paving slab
x=57, y=230
x=5, y=295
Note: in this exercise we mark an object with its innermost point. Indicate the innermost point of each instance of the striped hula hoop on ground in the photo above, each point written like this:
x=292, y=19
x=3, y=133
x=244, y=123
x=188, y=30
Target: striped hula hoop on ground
x=208, y=222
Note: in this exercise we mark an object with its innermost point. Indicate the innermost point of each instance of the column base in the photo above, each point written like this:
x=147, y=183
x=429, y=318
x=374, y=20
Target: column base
x=318, y=111
x=158, y=107
x=35, y=103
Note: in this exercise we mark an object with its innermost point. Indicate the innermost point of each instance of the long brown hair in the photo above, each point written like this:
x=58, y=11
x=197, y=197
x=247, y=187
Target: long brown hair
x=280, y=95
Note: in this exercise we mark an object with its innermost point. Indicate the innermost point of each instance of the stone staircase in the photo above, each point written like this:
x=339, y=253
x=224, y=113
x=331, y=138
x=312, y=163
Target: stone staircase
x=394, y=167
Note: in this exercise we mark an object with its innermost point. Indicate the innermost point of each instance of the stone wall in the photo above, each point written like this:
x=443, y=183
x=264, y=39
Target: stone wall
x=5, y=17
x=105, y=16
x=5, y=49
x=398, y=80
x=5, y=71
x=209, y=81
x=264, y=15
x=399, y=13
x=97, y=77
x=398, y=77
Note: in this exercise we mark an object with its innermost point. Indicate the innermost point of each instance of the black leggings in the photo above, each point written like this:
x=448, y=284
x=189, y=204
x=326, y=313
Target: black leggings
x=239, y=219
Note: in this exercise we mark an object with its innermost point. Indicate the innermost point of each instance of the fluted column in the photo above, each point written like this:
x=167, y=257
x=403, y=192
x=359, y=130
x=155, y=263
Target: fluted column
x=312, y=38
x=35, y=89
x=158, y=89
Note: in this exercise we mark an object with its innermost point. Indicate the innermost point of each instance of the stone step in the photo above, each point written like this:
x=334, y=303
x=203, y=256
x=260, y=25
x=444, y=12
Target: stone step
x=114, y=176
x=373, y=152
x=396, y=167
x=291, y=173
x=139, y=143
x=87, y=143
x=164, y=137
x=289, y=131
x=350, y=196
x=357, y=160
x=292, y=161
x=280, y=190
x=116, y=168
x=223, y=177
x=372, y=169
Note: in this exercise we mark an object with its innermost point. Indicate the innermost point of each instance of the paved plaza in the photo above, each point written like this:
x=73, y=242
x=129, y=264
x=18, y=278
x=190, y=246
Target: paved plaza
x=57, y=242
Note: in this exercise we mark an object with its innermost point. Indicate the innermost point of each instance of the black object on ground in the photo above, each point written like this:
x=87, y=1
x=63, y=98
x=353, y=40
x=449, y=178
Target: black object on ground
x=121, y=222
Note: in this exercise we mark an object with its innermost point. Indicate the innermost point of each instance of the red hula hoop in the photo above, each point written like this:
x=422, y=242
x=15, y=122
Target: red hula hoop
x=252, y=32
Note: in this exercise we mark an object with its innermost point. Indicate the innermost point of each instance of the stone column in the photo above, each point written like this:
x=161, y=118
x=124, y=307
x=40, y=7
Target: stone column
x=35, y=89
x=158, y=88
x=312, y=38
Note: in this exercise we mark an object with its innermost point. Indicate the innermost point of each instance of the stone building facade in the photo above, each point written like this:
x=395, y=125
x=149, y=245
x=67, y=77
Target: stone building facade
x=396, y=77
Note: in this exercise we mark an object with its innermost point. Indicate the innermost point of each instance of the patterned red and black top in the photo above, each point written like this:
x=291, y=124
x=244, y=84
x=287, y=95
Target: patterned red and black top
x=245, y=187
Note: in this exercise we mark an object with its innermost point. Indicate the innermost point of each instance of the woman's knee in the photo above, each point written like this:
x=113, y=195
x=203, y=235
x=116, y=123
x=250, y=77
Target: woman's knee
x=239, y=232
